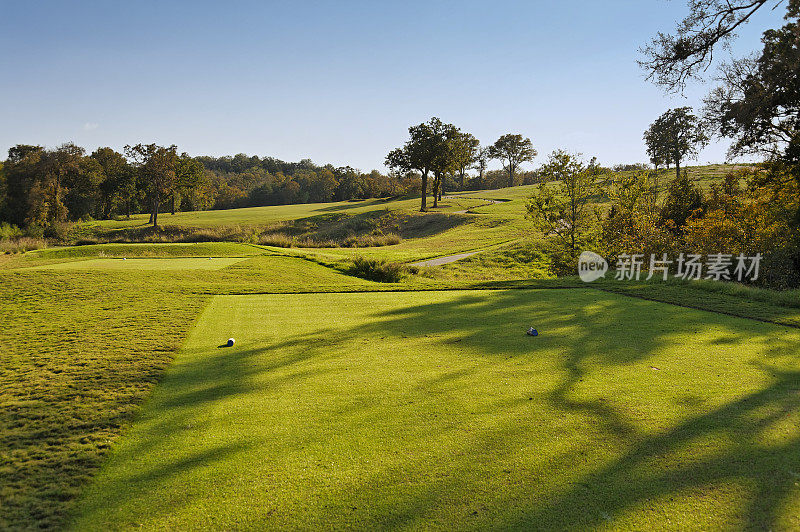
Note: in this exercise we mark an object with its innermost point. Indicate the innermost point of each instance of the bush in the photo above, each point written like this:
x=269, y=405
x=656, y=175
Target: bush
x=9, y=232
x=684, y=200
x=377, y=270
x=21, y=245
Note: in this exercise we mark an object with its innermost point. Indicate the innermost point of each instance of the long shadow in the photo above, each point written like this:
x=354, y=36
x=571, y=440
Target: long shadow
x=354, y=205
x=769, y=470
x=592, y=333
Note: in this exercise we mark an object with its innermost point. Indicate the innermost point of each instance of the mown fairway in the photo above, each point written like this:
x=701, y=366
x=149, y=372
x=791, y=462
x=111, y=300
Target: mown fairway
x=435, y=410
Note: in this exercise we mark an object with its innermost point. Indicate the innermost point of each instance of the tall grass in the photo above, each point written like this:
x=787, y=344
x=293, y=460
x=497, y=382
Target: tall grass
x=15, y=240
x=377, y=270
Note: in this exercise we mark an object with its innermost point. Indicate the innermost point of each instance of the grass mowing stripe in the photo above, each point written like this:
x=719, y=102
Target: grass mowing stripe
x=435, y=410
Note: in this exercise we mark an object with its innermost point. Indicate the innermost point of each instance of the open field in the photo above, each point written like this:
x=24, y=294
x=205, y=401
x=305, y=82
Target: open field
x=419, y=404
x=435, y=410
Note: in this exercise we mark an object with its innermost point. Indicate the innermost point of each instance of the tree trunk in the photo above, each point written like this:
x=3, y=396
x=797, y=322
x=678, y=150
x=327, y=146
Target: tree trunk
x=677, y=169
x=510, y=176
x=435, y=191
x=156, y=207
x=424, y=207
x=461, y=180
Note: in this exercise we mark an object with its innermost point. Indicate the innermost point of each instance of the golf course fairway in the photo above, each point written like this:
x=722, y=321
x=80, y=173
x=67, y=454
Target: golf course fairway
x=435, y=410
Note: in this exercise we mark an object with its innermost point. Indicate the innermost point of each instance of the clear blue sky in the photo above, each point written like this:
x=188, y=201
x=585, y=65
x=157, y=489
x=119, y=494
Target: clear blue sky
x=336, y=81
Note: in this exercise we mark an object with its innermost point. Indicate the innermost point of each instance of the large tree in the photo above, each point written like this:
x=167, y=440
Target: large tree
x=156, y=166
x=22, y=171
x=118, y=186
x=427, y=151
x=758, y=102
x=674, y=136
x=41, y=183
x=512, y=150
x=464, y=150
x=188, y=175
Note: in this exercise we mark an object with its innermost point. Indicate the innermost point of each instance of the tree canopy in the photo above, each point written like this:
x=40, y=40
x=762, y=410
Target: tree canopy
x=512, y=150
x=674, y=136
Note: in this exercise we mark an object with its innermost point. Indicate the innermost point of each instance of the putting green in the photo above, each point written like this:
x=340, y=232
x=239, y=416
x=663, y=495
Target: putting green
x=435, y=410
x=173, y=263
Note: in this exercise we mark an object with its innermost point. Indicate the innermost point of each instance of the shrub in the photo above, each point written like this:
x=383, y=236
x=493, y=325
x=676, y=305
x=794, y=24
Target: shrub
x=377, y=270
x=21, y=245
x=684, y=200
x=9, y=232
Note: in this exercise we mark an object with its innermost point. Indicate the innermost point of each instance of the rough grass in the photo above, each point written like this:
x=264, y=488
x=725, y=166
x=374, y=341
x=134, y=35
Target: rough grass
x=435, y=410
x=72, y=372
x=80, y=350
x=377, y=270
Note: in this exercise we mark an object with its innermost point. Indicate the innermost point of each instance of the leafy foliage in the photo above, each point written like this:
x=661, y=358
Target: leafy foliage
x=512, y=150
x=563, y=207
x=684, y=200
x=674, y=136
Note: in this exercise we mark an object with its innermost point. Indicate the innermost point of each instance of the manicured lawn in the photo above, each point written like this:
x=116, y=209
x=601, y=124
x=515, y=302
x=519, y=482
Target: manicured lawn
x=81, y=349
x=205, y=263
x=265, y=215
x=435, y=410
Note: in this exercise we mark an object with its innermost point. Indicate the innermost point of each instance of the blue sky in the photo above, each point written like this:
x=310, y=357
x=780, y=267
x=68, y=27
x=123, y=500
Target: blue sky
x=336, y=81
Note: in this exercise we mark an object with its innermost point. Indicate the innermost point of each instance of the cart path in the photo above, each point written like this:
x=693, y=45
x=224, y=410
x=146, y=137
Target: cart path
x=466, y=211
x=439, y=261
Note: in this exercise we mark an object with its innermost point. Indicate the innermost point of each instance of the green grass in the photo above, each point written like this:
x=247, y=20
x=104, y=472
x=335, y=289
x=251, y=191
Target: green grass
x=80, y=350
x=259, y=216
x=79, y=353
x=413, y=408
x=198, y=263
x=435, y=410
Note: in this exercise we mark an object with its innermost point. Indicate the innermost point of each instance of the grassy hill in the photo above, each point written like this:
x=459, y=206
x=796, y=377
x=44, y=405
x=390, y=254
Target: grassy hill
x=420, y=403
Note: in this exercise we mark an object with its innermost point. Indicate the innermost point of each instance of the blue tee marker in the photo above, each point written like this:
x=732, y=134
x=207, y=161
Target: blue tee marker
x=533, y=332
x=231, y=341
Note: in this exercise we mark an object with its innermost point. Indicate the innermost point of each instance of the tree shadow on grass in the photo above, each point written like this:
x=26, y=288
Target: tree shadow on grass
x=585, y=335
x=768, y=469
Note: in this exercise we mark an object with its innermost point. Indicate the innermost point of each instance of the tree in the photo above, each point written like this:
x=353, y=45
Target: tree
x=119, y=181
x=426, y=151
x=443, y=161
x=61, y=171
x=156, y=167
x=562, y=207
x=22, y=170
x=633, y=225
x=758, y=102
x=512, y=150
x=464, y=150
x=674, y=136
x=672, y=59
x=188, y=174
x=684, y=200
x=480, y=163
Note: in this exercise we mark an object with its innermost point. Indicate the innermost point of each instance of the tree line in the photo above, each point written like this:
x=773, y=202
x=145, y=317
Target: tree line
x=42, y=187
